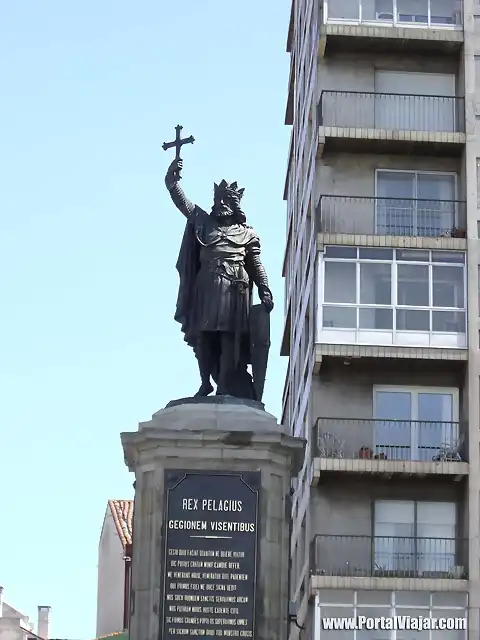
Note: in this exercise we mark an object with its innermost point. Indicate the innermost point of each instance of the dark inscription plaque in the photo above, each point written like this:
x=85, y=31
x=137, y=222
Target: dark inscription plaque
x=211, y=554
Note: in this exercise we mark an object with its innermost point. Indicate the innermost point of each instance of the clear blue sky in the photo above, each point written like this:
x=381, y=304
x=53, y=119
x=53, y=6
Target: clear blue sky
x=88, y=347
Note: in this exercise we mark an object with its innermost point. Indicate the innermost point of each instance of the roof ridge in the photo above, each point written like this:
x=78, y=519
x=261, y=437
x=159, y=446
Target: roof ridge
x=122, y=514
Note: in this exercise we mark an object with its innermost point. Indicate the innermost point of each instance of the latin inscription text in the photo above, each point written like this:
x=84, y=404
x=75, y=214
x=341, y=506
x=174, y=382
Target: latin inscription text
x=210, y=561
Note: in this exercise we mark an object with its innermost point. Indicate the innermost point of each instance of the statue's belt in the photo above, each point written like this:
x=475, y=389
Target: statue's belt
x=219, y=268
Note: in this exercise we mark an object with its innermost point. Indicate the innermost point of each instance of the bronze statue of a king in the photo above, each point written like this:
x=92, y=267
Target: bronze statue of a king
x=218, y=264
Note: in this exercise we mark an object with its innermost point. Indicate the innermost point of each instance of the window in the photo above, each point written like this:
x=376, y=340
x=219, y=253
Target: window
x=384, y=604
x=477, y=73
x=387, y=296
x=416, y=424
x=414, y=538
x=411, y=203
x=343, y=10
x=423, y=13
x=478, y=175
x=411, y=101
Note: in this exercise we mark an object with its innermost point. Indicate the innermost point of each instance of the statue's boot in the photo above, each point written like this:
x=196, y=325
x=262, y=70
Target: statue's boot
x=205, y=389
x=226, y=368
x=204, y=366
x=223, y=387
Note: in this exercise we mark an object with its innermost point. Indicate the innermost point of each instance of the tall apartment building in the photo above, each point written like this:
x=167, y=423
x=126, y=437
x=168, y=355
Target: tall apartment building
x=382, y=312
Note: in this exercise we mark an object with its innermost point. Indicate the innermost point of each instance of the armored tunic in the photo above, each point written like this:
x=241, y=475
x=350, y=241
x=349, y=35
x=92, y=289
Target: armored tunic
x=222, y=292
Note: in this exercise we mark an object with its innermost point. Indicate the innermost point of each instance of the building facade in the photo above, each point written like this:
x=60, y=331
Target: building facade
x=382, y=312
x=15, y=625
x=114, y=568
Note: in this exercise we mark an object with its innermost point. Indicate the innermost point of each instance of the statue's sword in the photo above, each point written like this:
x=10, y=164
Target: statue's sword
x=178, y=143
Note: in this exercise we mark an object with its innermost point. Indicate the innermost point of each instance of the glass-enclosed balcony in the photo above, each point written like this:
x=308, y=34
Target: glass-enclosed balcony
x=434, y=14
x=381, y=296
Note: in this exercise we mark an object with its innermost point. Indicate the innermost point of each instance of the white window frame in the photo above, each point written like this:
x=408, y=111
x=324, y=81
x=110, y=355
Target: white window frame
x=425, y=111
x=415, y=423
x=416, y=173
x=402, y=337
x=394, y=22
x=415, y=504
x=390, y=608
x=414, y=547
x=416, y=390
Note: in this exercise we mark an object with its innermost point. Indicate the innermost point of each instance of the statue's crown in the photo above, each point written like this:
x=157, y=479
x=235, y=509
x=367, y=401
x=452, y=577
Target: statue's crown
x=228, y=188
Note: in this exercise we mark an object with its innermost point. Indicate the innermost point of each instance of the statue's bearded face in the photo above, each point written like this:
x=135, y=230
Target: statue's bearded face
x=222, y=206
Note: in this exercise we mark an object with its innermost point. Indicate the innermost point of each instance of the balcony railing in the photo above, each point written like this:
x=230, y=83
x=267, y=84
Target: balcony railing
x=390, y=556
x=435, y=14
x=412, y=440
x=392, y=216
x=400, y=112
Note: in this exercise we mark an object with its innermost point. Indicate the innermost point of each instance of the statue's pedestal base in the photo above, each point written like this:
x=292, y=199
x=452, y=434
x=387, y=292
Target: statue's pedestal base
x=230, y=400
x=239, y=458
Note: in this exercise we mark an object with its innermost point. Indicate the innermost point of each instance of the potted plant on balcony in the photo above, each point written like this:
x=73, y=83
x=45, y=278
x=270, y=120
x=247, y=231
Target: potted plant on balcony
x=365, y=453
x=458, y=232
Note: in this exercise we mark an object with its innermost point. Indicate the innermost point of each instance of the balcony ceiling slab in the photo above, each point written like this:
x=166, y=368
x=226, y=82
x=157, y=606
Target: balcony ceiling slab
x=397, y=242
x=394, y=352
x=379, y=38
x=363, y=140
x=456, y=470
x=318, y=582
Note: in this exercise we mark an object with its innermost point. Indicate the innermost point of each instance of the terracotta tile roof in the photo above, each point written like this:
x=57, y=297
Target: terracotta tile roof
x=122, y=513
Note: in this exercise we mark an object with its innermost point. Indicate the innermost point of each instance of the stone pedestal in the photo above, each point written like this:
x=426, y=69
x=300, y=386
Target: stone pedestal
x=236, y=443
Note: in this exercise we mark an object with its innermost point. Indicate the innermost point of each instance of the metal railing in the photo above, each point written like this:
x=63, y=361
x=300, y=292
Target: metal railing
x=407, y=440
x=392, y=216
x=390, y=556
x=392, y=111
x=435, y=14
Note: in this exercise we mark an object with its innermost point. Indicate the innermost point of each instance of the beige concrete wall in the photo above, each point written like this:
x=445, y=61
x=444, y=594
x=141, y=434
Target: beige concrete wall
x=356, y=72
x=345, y=508
x=354, y=175
x=10, y=629
x=356, y=380
x=111, y=580
x=472, y=153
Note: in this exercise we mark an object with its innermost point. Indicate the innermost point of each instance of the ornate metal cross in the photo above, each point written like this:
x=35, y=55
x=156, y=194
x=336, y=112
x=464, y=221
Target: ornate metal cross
x=178, y=142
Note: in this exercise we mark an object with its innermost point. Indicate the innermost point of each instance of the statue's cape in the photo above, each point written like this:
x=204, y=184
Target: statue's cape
x=188, y=265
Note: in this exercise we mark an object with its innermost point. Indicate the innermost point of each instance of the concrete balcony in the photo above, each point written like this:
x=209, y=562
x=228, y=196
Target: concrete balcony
x=342, y=561
x=388, y=448
x=435, y=224
x=367, y=122
x=434, y=27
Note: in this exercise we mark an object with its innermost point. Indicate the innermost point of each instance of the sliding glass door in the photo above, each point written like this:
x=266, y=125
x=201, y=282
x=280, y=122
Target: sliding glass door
x=411, y=101
x=413, y=203
x=414, y=538
x=414, y=424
